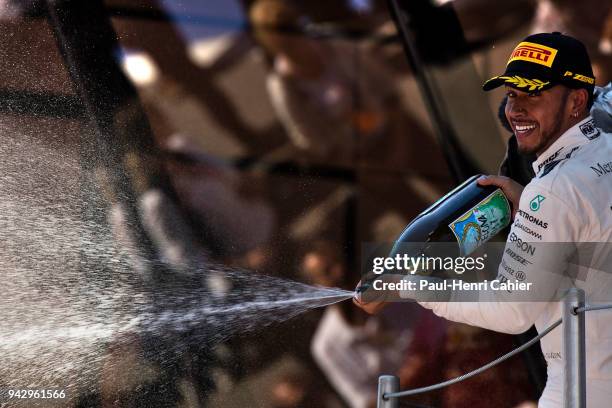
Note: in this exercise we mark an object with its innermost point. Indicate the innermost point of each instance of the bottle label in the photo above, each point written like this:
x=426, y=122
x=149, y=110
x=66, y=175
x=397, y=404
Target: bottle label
x=481, y=222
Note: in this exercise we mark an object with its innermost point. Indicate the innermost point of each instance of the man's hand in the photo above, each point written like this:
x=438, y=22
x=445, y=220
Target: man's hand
x=371, y=307
x=511, y=189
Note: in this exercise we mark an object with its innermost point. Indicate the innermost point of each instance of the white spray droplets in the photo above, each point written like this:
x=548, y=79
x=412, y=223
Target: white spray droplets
x=69, y=295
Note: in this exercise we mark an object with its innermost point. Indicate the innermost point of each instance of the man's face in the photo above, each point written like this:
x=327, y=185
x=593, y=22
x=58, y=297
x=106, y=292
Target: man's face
x=539, y=118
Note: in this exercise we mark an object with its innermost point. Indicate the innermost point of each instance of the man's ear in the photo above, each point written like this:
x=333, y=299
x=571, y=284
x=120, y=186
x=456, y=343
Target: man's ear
x=578, y=100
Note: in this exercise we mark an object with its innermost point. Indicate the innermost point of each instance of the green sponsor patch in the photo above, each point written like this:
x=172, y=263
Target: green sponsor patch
x=534, y=204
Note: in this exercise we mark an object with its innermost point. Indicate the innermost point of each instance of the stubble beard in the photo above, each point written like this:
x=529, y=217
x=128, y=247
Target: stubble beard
x=548, y=137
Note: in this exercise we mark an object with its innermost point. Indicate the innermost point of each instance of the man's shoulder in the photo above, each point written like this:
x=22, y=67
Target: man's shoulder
x=594, y=164
x=576, y=160
x=576, y=167
x=554, y=177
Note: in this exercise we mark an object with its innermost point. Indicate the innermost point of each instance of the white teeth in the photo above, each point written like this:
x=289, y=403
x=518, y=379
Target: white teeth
x=524, y=128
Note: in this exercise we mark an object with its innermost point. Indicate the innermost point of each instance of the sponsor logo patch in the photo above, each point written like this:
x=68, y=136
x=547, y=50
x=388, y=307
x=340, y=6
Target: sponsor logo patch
x=551, y=165
x=507, y=268
x=503, y=280
x=589, y=130
x=528, y=230
x=517, y=257
x=536, y=53
x=532, y=219
x=534, y=204
x=601, y=169
x=518, y=275
x=549, y=159
x=579, y=77
x=522, y=245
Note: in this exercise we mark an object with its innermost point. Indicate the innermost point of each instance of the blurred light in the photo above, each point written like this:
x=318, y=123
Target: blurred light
x=204, y=52
x=218, y=284
x=605, y=46
x=140, y=68
x=361, y=6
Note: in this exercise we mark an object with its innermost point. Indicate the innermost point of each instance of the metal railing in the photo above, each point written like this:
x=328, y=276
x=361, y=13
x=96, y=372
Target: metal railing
x=574, y=384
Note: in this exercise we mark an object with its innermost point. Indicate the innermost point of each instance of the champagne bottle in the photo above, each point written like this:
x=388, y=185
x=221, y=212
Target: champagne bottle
x=465, y=218
x=469, y=216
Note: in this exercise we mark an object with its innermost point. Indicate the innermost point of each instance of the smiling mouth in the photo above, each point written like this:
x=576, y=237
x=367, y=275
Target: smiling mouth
x=524, y=129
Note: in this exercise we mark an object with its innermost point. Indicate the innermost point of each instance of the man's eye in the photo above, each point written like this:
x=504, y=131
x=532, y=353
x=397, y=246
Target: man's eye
x=533, y=94
x=510, y=94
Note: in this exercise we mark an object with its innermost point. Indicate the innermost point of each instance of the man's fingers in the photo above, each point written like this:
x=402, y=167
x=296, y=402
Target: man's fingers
x=499, y=181
x=484, y=180
x=511, y=188
x=357, y=301
x=370, y=307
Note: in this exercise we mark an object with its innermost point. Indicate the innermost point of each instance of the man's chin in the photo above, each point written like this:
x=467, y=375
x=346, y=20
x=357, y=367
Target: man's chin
x=527, y=150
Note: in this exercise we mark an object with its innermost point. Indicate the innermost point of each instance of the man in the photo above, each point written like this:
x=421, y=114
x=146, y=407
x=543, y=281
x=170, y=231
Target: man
x=549, y=85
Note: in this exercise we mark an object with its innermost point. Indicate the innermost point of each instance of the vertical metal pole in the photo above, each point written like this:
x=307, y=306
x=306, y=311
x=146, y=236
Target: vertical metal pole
x=459, y=162
x=386, y=384
x=574, y=384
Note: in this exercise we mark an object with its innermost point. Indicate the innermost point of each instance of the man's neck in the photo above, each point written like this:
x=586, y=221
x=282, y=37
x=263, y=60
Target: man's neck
x=572, y=121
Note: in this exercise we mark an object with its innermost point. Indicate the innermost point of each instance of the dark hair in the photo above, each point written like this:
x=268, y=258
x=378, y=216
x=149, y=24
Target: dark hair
x=591, y=98
x=589, y=88
x=501, y=115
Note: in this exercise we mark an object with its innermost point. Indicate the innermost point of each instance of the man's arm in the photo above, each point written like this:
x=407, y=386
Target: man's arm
x=538, y=247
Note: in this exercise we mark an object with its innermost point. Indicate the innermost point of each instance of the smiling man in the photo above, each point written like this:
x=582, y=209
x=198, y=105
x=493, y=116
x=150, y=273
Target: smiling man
x=549, y=85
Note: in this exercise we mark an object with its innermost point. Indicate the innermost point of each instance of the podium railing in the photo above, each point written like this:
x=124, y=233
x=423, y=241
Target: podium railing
x=574, y=390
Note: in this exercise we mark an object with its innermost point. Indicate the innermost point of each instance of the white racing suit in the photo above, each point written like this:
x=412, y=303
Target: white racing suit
x=569, y=201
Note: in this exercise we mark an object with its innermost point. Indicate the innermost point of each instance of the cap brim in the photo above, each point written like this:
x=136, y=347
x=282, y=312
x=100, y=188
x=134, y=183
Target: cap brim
x=493, y=83
x=518, y=82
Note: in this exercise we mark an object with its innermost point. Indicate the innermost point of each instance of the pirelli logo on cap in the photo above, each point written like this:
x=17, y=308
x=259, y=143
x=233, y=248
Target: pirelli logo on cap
x=536, y=53
x=579, y=77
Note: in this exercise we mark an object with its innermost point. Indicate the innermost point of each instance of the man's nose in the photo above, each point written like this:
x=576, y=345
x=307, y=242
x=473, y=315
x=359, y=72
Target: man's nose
x=517, y=108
